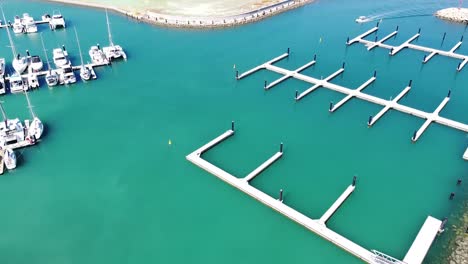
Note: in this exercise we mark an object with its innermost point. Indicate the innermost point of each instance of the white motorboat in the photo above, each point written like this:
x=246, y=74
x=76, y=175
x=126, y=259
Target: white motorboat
x=52, y=78
x=17, y=84
x=57, y=20
x=60, y=57
x=29, y=24
x=46, y=17
x=35, y=63
x=35, y=127
x=2, y=67
x=19, y=63
x=97, y=55
x=33, y=81
x=11, y=130
x=9, y=157
x=113, y=52
x=67, y=76
x=362, y=19
x=18, y=27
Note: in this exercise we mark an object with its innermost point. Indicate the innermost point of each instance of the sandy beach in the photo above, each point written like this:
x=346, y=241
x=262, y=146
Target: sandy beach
x=187, y=14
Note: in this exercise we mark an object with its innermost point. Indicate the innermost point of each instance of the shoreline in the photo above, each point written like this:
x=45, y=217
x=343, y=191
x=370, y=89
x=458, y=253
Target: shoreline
x=454, y=14
x=193, y=22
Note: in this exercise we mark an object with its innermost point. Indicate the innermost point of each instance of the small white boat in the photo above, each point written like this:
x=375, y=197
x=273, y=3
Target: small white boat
x=9, y=157
x=113, y=52
x=35, y=63
x=52, y=78
x=86, y=72
x=11, y=130
x=2, y=67
x=35, y=127
x=60, y=57
x=17, y=84
x=18, y=27
x=46, y=17
x=2, y=85
x=33, y=81
x=20, y=63
x=97, y=55
x=67, y=76
x=362, y=19
x=57, y=20
x=29, y=24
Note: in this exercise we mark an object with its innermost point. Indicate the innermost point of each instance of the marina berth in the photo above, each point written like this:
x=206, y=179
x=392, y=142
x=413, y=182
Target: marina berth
x=431, y=228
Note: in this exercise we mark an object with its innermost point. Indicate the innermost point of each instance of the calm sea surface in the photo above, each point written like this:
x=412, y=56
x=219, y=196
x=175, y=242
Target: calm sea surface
x=104, y=185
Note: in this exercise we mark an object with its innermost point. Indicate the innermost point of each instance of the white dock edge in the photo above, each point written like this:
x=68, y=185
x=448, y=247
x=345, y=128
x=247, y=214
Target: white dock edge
x=465, y=155
x=423, y=241
x=323, y=220
x=263, y=167
x=316, y=226
x=407, y=44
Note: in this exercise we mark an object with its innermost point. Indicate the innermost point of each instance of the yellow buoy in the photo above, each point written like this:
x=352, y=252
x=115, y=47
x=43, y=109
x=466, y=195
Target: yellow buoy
x=234, y=66
x=170, y=142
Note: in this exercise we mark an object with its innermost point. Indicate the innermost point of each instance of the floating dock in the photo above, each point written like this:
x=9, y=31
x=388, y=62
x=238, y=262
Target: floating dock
x=351, y=93
x=465, y=155
x=317, y=226
x=423, y=241
x=431, y=52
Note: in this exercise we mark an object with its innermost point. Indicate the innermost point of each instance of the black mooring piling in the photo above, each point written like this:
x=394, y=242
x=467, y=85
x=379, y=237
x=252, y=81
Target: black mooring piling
x=232, y=125
x=288, y=50
x=297, y=94
x=424, y=59
x=369, y=122
x=419, y=31
x=98, y=46
x=265, y=85
x=281, y=147
x=330, y=107
x=375, y=74
x=281, y=195
x=397, y=28
x=347, y=40
x=449, y=93
x=237, y=74
x=452, y=195
x=27, y=52
x=376, y=38
x=378, y=23
x=459, y=65
x=354, y=180
x=443, y=38
x=344, y=63
x=461, y=39
x=459, y=181
x=315, y=56
x=410, y=83
x=414, y=135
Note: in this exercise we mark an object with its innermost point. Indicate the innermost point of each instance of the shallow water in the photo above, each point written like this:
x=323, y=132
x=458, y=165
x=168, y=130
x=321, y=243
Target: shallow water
x=104, y=185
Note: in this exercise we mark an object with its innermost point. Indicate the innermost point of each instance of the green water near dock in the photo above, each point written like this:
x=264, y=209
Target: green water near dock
x=104, y=185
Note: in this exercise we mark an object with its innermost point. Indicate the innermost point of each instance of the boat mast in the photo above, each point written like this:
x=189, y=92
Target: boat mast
x=3, y=112
x=29, y=105
x=13, y=50
x=108, y=29
x=45, y=53
x=79, y=47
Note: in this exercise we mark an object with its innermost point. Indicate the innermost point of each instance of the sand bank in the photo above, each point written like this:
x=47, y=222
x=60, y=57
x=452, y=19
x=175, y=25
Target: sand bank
x=453, y=14
x=186, y=19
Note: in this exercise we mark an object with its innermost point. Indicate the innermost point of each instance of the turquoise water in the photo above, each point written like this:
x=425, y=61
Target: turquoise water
x=104, y=185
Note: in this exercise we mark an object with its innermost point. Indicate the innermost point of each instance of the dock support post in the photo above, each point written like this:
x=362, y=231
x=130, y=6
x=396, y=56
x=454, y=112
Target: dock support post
x=459, y=181
x=232, y=125
x=414, y=135
x=347, y=41
x=397, y=28
x=375, y=74
x=378, y=23
x=419, y=31
x=410, y=83
x=281, y=195
x=344, y=63
x=424, y=59
x=330, y=107
x=237, y=75
x=265, y=85
x=315, y=57
x=297, y=94
x=98, y=46
x=451, y=196
x=449, y=93
x=376, y=38
x=27, y=52
x=461, y=39
x=288, y=50
x=369, y=122
x=281, y=147
x=459, y=65
x=354, y=180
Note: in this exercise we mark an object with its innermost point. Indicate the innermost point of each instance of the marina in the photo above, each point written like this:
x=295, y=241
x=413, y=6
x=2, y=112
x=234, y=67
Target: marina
x=351, y=93
x=415, y=255
x=26, y=24
x=430, y=52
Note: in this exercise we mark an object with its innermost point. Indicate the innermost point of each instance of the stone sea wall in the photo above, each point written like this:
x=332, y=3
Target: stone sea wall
x=454, y=14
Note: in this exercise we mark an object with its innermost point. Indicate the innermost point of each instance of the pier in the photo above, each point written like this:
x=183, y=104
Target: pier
x=358, y=93
x=318, y=226
x=431, y=52
x=423, y=241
